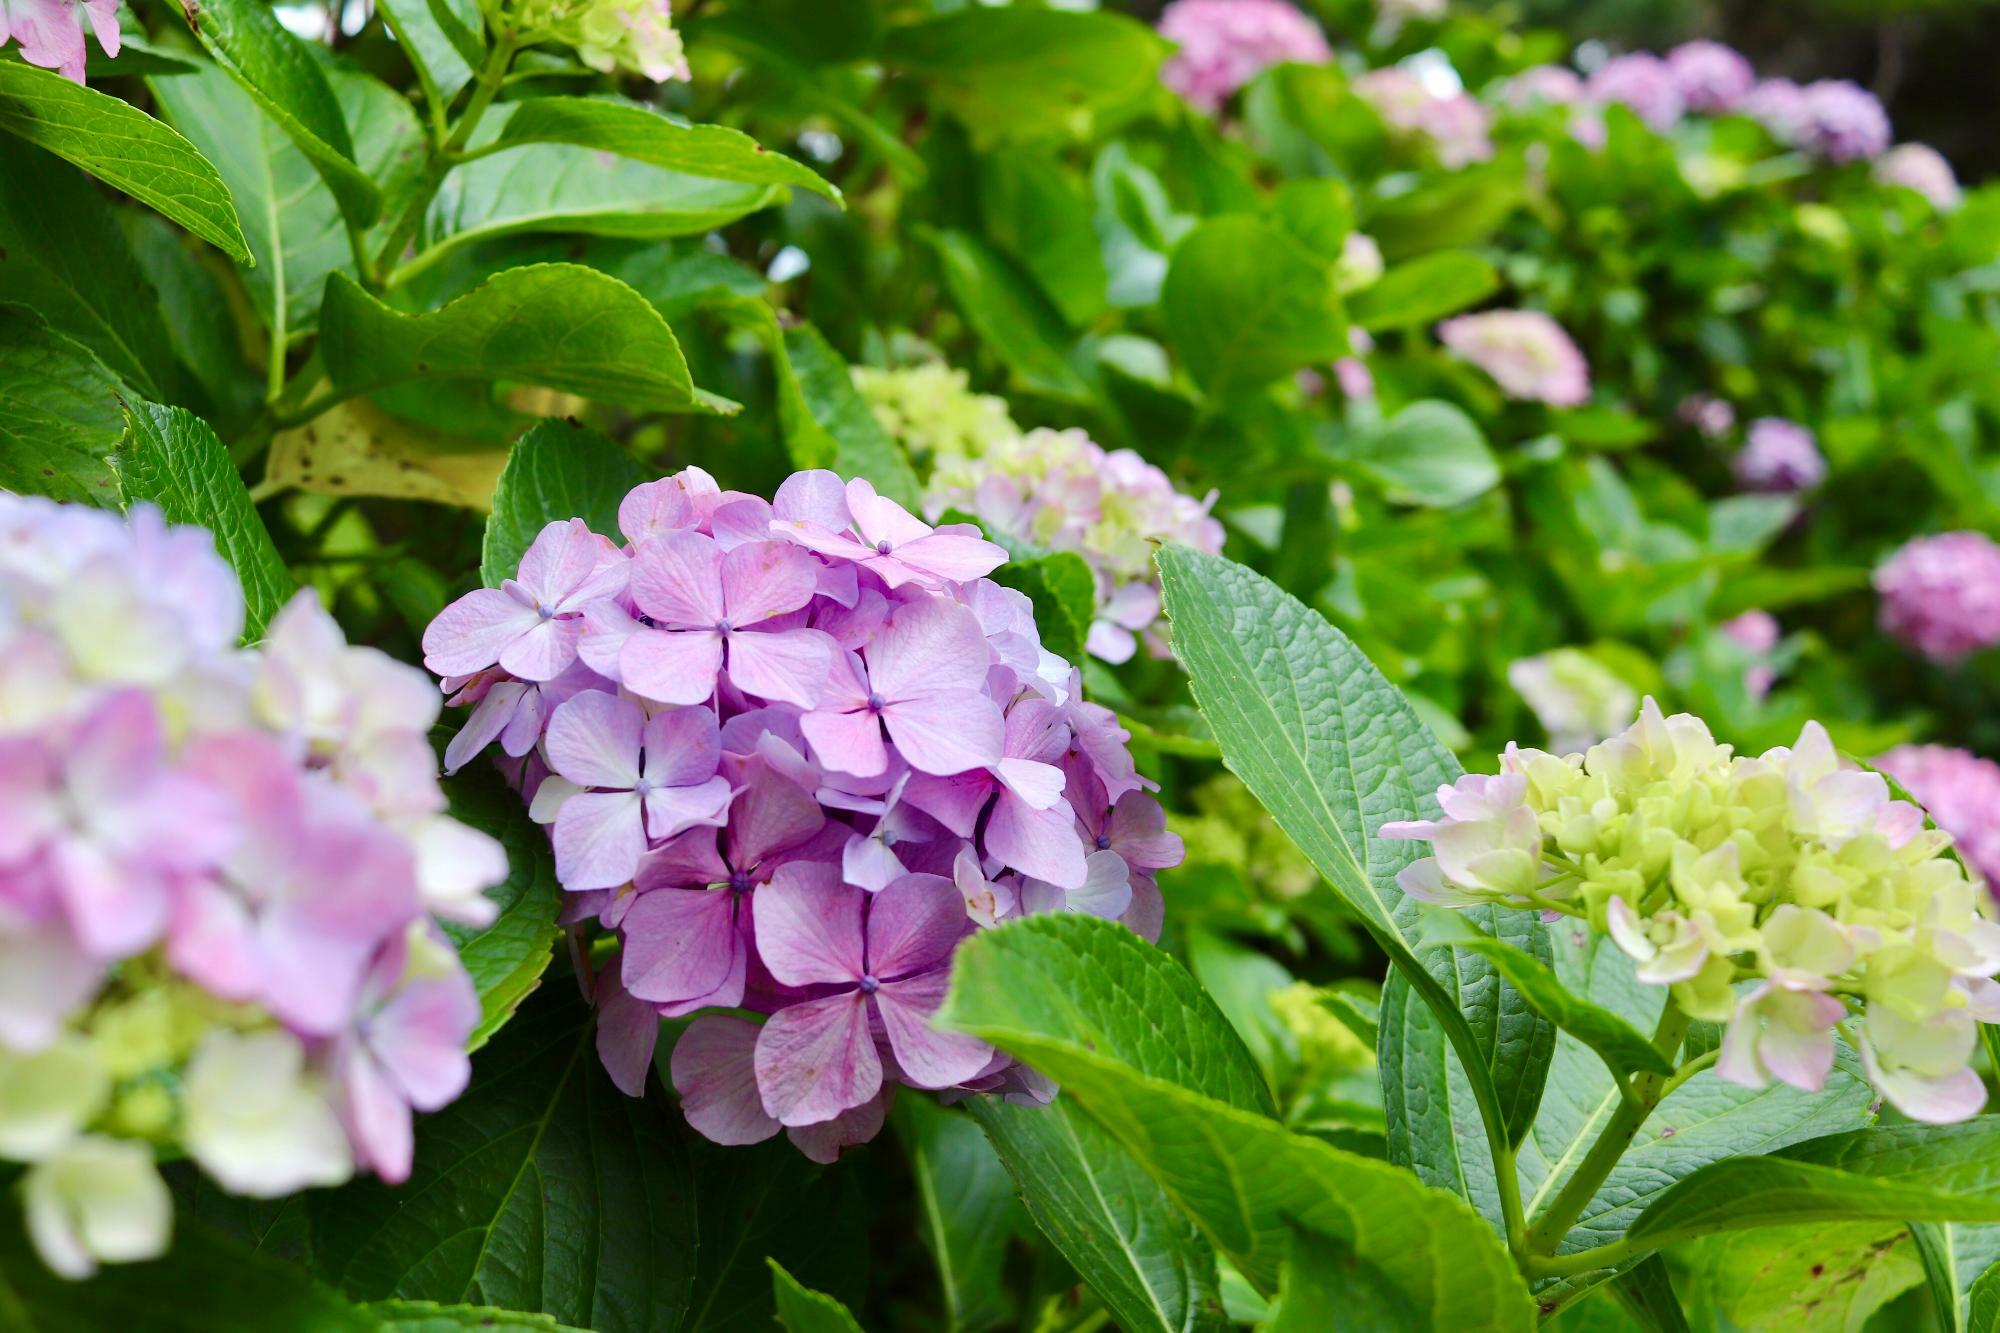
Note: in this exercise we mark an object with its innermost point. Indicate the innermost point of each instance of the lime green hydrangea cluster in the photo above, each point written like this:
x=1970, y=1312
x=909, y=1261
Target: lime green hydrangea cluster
x=930, y=409
x=1782, y=894
x=628, y=36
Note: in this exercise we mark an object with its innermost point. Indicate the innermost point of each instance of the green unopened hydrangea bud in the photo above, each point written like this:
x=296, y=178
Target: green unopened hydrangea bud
x=1775, y=893
x=632, y=36
x=932, y=413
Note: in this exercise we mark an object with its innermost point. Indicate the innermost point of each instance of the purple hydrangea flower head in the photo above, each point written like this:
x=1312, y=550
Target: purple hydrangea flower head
x=1919, y=167
x=49, y=33
x=1644, y=83
x=1941, y=595
x=1224, y=44
x=1525, y=351
x=1843, y=122
x=1779, y=105
x=801, y=748
x=1710, y=76
x=1778, y=456
x=1961, y=791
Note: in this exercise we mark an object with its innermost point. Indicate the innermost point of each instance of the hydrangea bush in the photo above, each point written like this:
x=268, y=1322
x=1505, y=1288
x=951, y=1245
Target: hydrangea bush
x=969, y=551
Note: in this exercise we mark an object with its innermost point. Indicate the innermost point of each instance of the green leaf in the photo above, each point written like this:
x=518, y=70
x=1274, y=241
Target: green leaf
x=61, y=413
x=1423, y=290
x=1016, y=73
x=557, y=471
x=561, y=326
x=968, y=1209
x=1463, y=208
x=1646, y=1291
x=62, y=252
x=506, y=958
x=1924, y=1173
x=430, y=1317
x=1108, y=1218
x=202, y=326
x=123, y=147
x=769, y=1200
x=1811, y=1278
x=1065, y=596
x=288, y=85
x=1429, y=454
x=290, y=221
x=630, y=130
x=1010, y=314
x=1622, y=1047
x=1131, y=1038
x=802, y=1310
x=1031, y=210
x=826, y=421
x=1954, y=1256
x=1245, y=303
x=542, y=1188
x=442, y=68
x=1326, y=1287
x=172, y=459
x=1983, y=1305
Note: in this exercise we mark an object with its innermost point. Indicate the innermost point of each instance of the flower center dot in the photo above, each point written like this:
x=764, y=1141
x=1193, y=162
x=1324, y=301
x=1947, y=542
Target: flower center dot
x=1103, y=842
x=876, y=703
x=869, y=985
x=884, y=546
x=723, y=627
x=739, y=881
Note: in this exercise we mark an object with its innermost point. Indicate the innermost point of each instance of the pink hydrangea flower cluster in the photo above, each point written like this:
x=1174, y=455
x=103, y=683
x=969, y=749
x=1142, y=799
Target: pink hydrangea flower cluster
x=1458, y=128
x=1224, y=44
x=1920, y=167
x=1526, y=353
x=1842, y=121
x=1758, y=634
x=1962, y=793
x=1710, y=76
x=791, y=752
x=1644, y=83
x=246, y=845
x=1941, y=594
x=1778, y=456
x=1060, y=491
x=49, y=33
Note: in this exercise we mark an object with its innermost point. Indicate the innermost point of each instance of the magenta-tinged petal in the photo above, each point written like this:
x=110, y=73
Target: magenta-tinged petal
x=212, y=941
x=627, y=1030
x=671, y=667
x=375, y=1116
x=954, y=802
x=488, y=719
x=1036, y=732
x=311, y=978
x=419, y=1037
x=772, y=815
x=714, y=1072
x=563, y=554
x=816, y=1059
x=929, y=647
x=655, y=508
x=598, y=840
x=952, y=558
x=679, y=943
x=677, y=580
x=30, y=805
x=929, y=1058
x=826, y=1141
x=1146, y=915
x=44, y=976
x=593, y=740
x=117, y=748
x=789, y=666
x=683, y=746
x=544, y=651
x=833, y=545
x=766, y=579
x=689, y=860
x=1138, y=832
x=606, y=627
x=115, y=907
x=948, y=733
x=816, y=496
x=674, y=810
x=846, y=742
x=741, y=522
x=470, y=634
x=1035, y=785
x=104, y=22
x=913, y=924
x=1039, y=843
x=809, y=927
x=879, y=519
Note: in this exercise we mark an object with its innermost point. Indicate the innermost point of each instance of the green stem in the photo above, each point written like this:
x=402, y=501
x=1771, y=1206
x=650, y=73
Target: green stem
x=1583, y=1261
x=1689, y=1070
x=1642, y=1095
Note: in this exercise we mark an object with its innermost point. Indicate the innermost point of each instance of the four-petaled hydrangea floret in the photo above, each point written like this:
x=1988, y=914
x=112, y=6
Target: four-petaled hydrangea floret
x=791, y=752
x=218, y=869
x=1788, y=895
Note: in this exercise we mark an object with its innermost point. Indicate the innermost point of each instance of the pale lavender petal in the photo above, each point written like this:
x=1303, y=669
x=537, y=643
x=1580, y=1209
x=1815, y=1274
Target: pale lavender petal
x=606, y=627
x=948, y=733
x=816, y=1059
x=593, y=740
x=809, y=927
x=543, y=651
x=655, y=508
x=1039, y=843
x=869, y=863
x=766, y=579
x=213, y=941
x=1138, y=832
x=683, y=746
x=879, y=519
x=419, y=1037
x=375, y=1116
x=824, y=1142
x=1106, y=890
x=674, y=810
x=954, y=802
x=679, y=943
x=929, y=1058
x=671, y=667
x=953, y=558
x=482, y=727
x=628, y=1028
x=771, y=816
x=741, y=522
x=470, y=634
x=846, y=742
x=929, y=647
x=677, y=579
x=562, y=556
x=789, y=666
x=688, y=860
x=598, y=839
x=1036, y=785
x=1147, y=914
x=1037, y=731
x=816, y=496
x=713, y=1071
x=913, y=924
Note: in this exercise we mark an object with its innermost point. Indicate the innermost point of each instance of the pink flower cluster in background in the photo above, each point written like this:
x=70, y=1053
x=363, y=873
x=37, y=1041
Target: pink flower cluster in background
x=1961, y=791
x=49, y=33
x=1457, y=128
x=1778, y=456
x=247, y=845
x=791, y=752
x=1525, y=352
x=1941, y=594
x=1058, y=490
x=1226, y=43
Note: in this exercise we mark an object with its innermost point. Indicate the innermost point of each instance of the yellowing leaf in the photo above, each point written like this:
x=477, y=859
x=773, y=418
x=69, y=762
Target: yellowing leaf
x=355, y=448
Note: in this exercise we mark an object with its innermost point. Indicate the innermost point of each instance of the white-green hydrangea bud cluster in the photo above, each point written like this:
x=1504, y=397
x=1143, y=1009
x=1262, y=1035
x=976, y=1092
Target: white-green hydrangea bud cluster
x=1782, y=894
x=933, y=413
x=614, y=36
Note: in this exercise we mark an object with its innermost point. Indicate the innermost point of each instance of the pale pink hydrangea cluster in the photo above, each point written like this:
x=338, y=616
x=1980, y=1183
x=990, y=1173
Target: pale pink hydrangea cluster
x=1961, y=791
x=49, y=33
x=1757, y=633
x=1058, y=490
x=1457, y=128
x=790, y=753
x=1778, y=456
x=1941, y=594
x=1527, y=353
x=218, y=871
x=1642, y=82
x=1920, y=167
x=1224, y=44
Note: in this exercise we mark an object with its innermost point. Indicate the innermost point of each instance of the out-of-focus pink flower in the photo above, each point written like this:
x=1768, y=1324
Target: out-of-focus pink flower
x=1526, y=353
x=1642, y=82
x=1778, y=456
x=1843, y=122
x=1779, y=105
x=1548, y=85
x=1919, y=167
x=1710, y=76
x=1457, y=128
x=50, y=32
x=1224, y=44
x=1711, y=416
x=1959, y=790
x=1756, y=632
x=1941, y=594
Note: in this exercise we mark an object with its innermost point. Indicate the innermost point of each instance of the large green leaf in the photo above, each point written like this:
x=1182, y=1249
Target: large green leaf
x=288, y=85
x=1430, y=453
x=630, y=130
x=62, y=252
x=442, y=54
x=1424, y=289
x=290, y=220
x=825, y=420
x=769, y=1201
x=968, y=1209
x=556, y=471
x=1134, y=1041
x=542, y=1188
x=1010, y=314
x=123, y=147
x=1017, y=73
x=561, y=326
x=172, y=459
x=1955, y=1256
x=1031, y=209
x=1064, y=592
x=1621, y=1046
x=803, y=1310
x=61, y=414
x=431, y=1317
x=1326, y=1287
x=1463, y=208
x=1110, y=1219
x=1815, y=1277
x=507, y=957
x=1925, y=1173
x=1245, y=303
